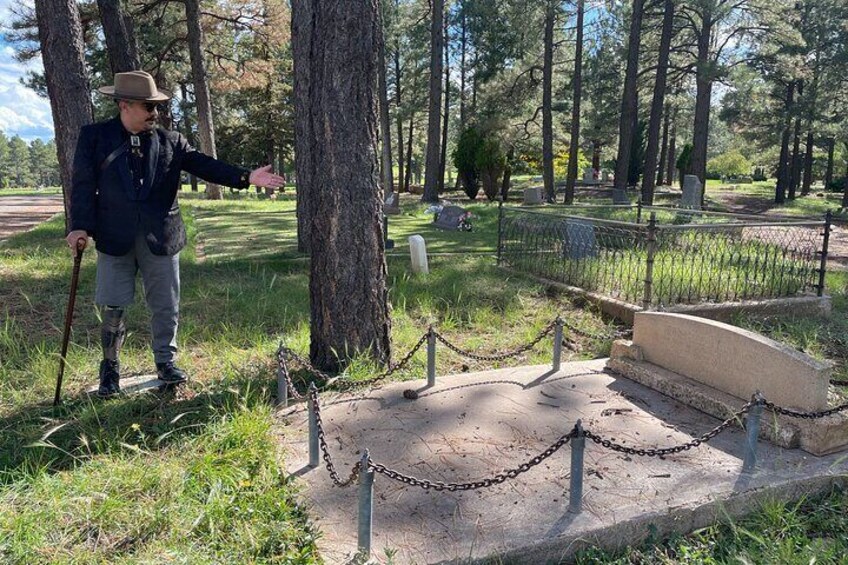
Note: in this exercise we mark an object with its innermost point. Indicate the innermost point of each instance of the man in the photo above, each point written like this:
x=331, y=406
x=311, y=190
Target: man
x=126, y=176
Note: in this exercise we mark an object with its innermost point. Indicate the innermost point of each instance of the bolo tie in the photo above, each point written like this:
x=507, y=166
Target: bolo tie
x=135, y=144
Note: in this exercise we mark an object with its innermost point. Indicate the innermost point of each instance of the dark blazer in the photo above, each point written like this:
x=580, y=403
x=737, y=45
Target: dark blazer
x=105, y=203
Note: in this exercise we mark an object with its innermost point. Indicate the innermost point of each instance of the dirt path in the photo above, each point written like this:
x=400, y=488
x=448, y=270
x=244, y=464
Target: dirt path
x=21, y=213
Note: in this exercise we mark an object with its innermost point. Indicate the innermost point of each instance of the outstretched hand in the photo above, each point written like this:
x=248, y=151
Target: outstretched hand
x=265, y=178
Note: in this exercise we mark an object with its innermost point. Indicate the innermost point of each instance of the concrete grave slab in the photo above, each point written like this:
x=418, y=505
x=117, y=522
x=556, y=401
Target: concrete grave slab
x=472, y=426
x=137, y=384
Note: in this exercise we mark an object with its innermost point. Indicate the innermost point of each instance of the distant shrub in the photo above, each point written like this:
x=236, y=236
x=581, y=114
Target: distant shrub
x=490, y=162
x=730, y=164
x=759, y=174
x=684, y=162
x=465, y=160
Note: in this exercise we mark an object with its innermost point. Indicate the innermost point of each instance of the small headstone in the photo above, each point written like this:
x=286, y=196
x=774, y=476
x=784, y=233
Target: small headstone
x=579, y=240
x=533, y=195
x=589, y=176
x=391, y=204
x=605, y=176
x=691, y=192
x=619, y=196
x=450, y=218
x=418, y=251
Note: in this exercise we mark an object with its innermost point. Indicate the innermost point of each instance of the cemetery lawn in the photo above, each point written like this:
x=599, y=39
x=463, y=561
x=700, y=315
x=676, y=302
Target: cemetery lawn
x=197, y=477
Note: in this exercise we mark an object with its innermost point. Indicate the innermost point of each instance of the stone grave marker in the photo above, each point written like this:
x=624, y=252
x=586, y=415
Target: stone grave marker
x=450, y=218
x=533, y=195
x=619, y=196
x=391, y=205
x=691, y=192
x=579, y=240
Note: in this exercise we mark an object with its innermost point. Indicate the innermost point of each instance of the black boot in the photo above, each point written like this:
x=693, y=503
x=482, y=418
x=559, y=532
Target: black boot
x=170, y=373
x=112, y=333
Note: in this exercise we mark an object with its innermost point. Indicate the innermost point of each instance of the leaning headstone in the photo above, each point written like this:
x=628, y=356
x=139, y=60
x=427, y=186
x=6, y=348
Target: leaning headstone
x=533, y=195
x=691, y=192
x=418, y=251
x=619, y=196
x=579, y=240
x=391, y=204
x=450, y=218
x=589, y=175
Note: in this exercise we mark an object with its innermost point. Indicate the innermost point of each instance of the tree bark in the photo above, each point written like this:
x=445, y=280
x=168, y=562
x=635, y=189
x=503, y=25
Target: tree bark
x=63, y=55
x=385, y=120
x=629, y=100
x=189, y=129
x=347, y=283
x=795, y=173
x=462, y=69
x=444, y=145
x=302, y=33
x=203, y=103
x=408, y=177
x=703, y=95
x=650, y=172
x=783, y=173
x=547, y=105
x=661, y=166
x=672, y=150
x=808, y=163
x=575, y=108
x=399, y=115
x=121, y=44
x=845, y=187
x=828, y=175
x=434, y=130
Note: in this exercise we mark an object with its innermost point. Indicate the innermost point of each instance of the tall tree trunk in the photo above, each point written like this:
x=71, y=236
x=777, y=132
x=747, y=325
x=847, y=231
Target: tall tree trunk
x=808, y=162
x=571, y=177
x=649, y=175
x=629, y=101
x=347, y=281
x=408, y=177
x=783, y=170
x=189, y=129
x=120, y=37
x=62, y=52
x=205, y=124
x=399, y=116
x=828, y=175
x=596, y=154
x=505, y=184
x=795, y=173
x=434, y=130
x=845, y=187
x=463, y=50
x=671, y=163
x=444, y=145
x=302, y=34
x=474, y=86
x=703, y=95
x=547, y=105
x=385, y=120
x=661, y=166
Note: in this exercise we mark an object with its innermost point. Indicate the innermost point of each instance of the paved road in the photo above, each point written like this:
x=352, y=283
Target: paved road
x=21, y=213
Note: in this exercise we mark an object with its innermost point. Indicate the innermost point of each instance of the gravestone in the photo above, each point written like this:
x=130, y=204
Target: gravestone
x=450, y=218
x=691, y=192
x=533, y=195
x=418, y=252
x=619, y=196
x=589, y=175
x=391, y=204
x=605, y=177
x=579, y=240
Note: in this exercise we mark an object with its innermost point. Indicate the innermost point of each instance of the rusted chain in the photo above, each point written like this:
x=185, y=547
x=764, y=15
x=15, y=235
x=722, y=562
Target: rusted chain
x=322, y=441
x=500, y=356
x=805, y=415
x=348, y=383
x=609, y=444
x=427, y=484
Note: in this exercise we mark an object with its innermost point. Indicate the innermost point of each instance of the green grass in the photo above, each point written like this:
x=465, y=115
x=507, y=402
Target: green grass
x=196, y=478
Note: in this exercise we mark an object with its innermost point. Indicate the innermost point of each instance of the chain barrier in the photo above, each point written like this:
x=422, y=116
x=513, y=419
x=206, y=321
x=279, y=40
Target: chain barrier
x=322, y=442
x=617, y=334
x=805, y=415
x=427, y=484
x=499, y=356
x=346, y=384
x=609, y=444
x=837, y=382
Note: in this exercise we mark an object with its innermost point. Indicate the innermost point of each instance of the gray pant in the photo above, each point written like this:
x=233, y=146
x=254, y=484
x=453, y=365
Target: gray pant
x=160, y=276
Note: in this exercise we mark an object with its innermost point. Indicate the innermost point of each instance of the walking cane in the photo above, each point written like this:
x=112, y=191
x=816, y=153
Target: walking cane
x=68, y=320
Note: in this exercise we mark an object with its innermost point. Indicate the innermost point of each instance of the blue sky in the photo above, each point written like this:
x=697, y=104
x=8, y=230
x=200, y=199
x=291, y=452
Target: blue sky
x=22, y=111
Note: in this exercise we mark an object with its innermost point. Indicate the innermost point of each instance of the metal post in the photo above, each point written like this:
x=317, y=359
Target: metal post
x=557, y=344
x=282, y=385
x=366, y=504
x=752, y=431
x=431, y=357
x=639, y=211
x=823, y=267
x=313, y=428
x=500, y=230
x=578, y=445
x=651, y=244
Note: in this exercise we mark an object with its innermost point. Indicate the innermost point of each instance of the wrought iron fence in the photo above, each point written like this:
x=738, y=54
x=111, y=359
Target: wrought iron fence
x=675, y=257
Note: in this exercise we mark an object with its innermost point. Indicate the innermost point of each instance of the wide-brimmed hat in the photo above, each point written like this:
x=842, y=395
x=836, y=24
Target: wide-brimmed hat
x=135, y=85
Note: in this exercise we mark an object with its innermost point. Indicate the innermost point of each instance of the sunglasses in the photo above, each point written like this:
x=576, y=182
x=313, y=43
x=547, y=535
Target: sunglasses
x=149, y=106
